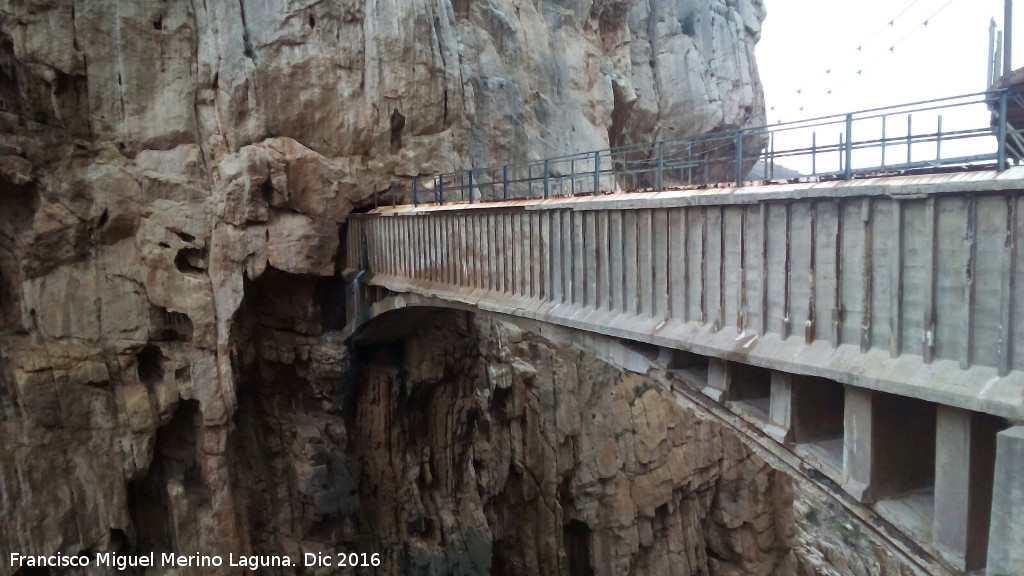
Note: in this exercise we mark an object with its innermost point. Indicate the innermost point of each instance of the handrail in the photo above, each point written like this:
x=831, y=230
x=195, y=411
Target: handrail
x=726, y=156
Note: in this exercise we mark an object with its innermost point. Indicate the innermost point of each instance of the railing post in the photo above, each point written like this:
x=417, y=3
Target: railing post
x=909, y=140
x=739, y=157
x=597, y=173
x=883, y=140
x=440, y=189
x=572, y=178
x=529, y=181
x=547, y=180
x=938, y=142
x=848, y=174
x=991, y=50
x=415, y=191
x=814, y=153
x=504, y=182
x=661, y=166
x=1001, y=136
x=470, y=173
x=394, y=194
x=689, y=163
x=842, y=147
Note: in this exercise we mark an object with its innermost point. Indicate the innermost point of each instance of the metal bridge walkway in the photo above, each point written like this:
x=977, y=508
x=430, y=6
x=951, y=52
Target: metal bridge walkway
x=876, y=323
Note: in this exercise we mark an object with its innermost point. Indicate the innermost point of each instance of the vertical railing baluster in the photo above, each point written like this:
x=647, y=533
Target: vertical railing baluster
x=938, y=142
x=1001, y=136
x=504, y=182
x=529, y=180
x=547, y=180
x=470, y=174
x=848, y=174
x=597, y=173
x=440, y=189
x=394, y=194
x=739, y=157
x=842, y=147
x=415, y=191
x=909, y=139
x=883, y=140
x=814, y=153
x=661, y=165
x=689, y=163
x=572, y=179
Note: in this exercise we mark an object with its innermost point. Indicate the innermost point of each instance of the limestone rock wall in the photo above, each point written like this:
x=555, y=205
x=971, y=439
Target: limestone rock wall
x=512, y=455
x=158, y=159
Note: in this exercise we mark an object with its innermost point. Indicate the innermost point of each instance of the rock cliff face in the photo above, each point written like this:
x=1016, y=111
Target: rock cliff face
x=173, y=178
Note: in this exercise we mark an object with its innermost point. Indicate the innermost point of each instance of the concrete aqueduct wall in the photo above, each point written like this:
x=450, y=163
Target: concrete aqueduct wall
x=875, y=325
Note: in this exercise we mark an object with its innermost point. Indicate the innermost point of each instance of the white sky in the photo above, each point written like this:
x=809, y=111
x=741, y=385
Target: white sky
x=801, y=39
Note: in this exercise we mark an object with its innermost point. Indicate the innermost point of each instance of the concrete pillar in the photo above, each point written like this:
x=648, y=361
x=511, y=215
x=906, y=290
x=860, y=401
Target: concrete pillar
x=1006, y=533
x=603, y=278
x=579, y=259
x=720, y=374
x=660, y=265
x=858, y=445
x=645, y=272
x=780, y=408
x=677, y=263
x=964, y=454
x=631, y=298
x=615, y=270
x=568, y=254
x=536, y=256
x=590, y=253
x=557, y=243
x=889, y=444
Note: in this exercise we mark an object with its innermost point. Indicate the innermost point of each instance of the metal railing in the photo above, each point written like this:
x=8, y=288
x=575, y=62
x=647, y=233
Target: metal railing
x=840, y=146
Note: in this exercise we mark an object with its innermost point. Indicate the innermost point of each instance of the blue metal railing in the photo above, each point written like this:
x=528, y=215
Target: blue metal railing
x=865, y=143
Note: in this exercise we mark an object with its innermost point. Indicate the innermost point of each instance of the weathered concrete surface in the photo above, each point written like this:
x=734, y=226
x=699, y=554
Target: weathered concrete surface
x=1006, y=543
x=965, y=447
x=907, y=285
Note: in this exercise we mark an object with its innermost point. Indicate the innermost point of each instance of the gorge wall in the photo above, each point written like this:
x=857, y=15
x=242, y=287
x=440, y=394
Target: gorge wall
x=173, y=180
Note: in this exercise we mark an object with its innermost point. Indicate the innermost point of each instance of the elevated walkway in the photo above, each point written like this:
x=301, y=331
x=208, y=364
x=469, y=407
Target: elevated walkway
x=875, y=326
x=870, y=320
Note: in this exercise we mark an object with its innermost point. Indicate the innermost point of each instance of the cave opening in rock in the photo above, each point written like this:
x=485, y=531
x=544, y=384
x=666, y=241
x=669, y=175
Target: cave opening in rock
x=190, y=260
x=267, y=192
x=149, y=363
x=168, y=326
x=173, y=470
x=576, y=537
x=397, y=126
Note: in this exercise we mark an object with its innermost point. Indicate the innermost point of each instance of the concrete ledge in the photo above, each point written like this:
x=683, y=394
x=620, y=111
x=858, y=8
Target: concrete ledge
x=887, y=186
x=978, y=388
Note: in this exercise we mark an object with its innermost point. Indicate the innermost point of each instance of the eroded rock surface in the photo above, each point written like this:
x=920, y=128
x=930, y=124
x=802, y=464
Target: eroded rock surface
x=173, y=178
x=513, y=455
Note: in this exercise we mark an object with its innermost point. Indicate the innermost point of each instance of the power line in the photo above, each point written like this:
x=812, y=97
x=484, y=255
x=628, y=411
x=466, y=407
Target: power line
x=892, y=47
x=803, y=91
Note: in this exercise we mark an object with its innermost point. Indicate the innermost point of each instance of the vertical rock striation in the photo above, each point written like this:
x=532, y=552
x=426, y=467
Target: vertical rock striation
x=173, y=177
x=478, y=448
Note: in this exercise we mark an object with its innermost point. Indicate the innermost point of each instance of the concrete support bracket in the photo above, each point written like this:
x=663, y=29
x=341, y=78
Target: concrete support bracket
x=1006, y=532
